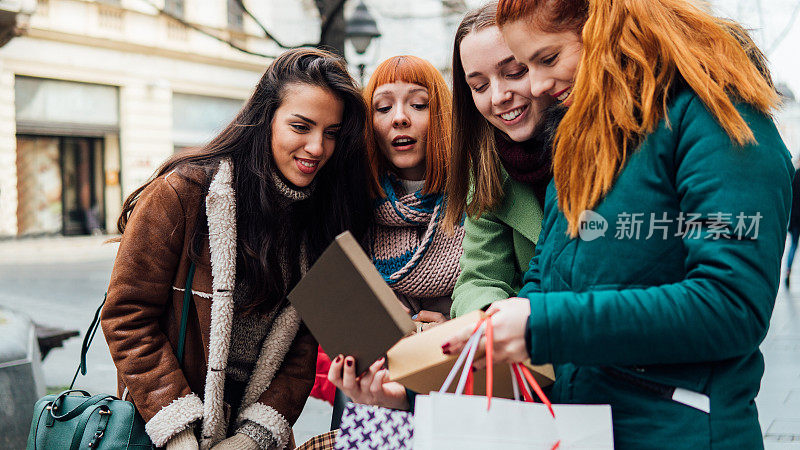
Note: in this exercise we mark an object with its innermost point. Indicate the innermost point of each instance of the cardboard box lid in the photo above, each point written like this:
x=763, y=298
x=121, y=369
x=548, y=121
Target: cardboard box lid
x=348, y=306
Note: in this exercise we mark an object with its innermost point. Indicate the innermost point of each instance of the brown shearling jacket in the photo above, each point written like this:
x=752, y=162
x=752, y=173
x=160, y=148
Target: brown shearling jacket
x=141, y=319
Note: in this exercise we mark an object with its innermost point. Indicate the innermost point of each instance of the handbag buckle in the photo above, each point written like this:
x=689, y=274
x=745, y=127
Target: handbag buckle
x=104, y=412
x=97, y=436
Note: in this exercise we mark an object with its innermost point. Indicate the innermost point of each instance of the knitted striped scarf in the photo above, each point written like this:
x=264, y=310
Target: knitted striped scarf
x=415, y=256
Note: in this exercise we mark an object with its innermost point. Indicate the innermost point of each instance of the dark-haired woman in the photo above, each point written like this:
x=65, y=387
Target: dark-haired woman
x=246, y=215
x=668, y=146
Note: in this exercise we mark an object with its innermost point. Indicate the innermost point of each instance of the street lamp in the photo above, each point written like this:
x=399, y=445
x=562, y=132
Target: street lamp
x=361, y=29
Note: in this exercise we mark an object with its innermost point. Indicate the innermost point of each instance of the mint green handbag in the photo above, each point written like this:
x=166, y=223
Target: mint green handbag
x=75, y=419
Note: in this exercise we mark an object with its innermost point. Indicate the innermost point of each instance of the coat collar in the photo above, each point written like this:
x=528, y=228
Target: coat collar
x=520, y=209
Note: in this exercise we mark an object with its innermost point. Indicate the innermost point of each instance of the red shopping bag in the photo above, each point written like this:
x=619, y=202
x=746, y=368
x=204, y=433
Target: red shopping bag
x=323, y=389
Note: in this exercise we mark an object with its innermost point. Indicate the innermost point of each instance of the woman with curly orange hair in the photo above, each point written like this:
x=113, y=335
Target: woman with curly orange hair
x=655, y=275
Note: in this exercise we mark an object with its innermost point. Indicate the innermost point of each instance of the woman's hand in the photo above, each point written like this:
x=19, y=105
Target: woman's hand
x=429, y=319
x=371, y=388
x=509, y=320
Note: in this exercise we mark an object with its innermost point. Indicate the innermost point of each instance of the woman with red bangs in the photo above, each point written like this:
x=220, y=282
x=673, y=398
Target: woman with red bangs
x=408, y=143
x=656, y=271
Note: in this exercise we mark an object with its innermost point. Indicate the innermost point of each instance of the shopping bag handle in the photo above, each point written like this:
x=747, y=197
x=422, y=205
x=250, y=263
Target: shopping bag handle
x=471, y=342
x=529, y=380
x=521, y=375
x=515, y=367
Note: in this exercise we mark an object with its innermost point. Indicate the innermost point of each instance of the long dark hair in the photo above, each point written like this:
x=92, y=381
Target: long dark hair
x=269, y=235
x=474, y=160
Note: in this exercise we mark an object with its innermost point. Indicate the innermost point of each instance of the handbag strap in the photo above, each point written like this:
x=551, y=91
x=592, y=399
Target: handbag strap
x=187, y=298
x=77, y=437
x=74, y=412
x=89, y=336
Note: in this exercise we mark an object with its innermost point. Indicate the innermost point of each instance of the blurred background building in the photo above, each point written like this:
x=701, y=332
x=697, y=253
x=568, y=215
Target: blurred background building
x=774, y=26
x=95, y=94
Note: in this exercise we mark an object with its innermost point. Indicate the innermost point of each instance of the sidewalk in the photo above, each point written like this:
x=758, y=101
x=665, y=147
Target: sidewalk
x=57, y=249
x=779, y=400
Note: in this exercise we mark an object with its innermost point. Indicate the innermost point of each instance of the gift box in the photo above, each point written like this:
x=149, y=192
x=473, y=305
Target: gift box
x=417, y=361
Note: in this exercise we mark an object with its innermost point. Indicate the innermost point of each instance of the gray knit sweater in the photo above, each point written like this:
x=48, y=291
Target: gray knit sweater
x=247, y=337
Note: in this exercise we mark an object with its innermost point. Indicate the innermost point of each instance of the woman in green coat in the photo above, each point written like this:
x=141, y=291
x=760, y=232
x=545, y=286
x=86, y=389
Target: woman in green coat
x=499, y=169
x=659, y=260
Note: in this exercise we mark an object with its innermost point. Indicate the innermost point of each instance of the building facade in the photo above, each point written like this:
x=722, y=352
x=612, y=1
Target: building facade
x=96, y=94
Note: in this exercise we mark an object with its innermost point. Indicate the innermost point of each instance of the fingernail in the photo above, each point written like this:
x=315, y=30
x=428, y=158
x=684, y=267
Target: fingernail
x=446, y=351
x=349, y=362
x=338, y=358
x=445, y=346
x=414, y=317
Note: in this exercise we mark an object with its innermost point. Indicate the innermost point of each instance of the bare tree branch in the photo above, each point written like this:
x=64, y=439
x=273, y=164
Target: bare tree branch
x=204, y=31
x=267, y=34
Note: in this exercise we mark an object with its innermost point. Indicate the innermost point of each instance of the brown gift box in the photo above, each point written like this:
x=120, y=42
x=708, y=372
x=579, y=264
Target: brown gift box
x=417, y=362
x=348, y=307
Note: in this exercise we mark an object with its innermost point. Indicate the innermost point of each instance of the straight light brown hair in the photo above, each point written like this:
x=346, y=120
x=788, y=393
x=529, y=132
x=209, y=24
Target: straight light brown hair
x=634, y=52
x=473, y=160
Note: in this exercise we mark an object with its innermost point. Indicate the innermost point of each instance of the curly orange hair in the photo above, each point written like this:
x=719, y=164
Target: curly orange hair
x=634, y=51
x=411, y=69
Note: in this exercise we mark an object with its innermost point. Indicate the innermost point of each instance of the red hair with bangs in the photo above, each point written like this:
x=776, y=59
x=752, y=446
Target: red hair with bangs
x=411, y=69
x=634, y=52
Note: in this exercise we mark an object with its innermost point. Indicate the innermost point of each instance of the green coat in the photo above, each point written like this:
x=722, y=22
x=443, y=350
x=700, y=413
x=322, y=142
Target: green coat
x=498, y=247
x=687, y=313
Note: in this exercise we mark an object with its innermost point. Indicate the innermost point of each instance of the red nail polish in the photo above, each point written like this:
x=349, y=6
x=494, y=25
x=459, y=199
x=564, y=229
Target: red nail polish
x=338, y=358
x=349, y=362
x=445, y=346
x=446, y=351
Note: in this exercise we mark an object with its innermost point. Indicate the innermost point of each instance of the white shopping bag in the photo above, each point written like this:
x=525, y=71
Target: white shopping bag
x=466, y=422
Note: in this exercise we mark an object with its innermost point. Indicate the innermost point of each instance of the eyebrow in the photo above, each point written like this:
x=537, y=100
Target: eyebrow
x=540, y=51
x=498, y=65
x=411, y=91
x=302, y=117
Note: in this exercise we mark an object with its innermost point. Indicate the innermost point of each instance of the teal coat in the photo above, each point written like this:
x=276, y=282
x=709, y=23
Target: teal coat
x=687, y=313
x=498, y=247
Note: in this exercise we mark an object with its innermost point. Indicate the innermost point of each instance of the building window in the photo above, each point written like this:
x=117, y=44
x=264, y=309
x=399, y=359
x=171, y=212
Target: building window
x=235, y=15
x=196, y=119
x=174, y=7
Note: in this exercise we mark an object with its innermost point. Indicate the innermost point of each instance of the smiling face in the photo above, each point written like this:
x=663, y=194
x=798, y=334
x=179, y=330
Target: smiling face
x=304, y=130
x=400, y=118
x=499, y=84
x=551, y=58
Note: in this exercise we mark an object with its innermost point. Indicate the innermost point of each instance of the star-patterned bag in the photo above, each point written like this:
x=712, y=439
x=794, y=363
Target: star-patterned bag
x=373, y=427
